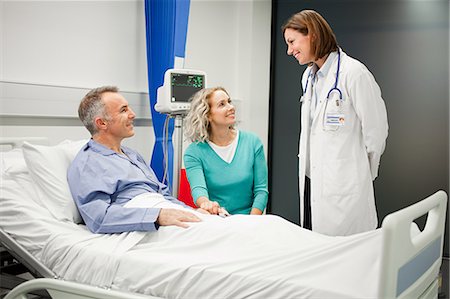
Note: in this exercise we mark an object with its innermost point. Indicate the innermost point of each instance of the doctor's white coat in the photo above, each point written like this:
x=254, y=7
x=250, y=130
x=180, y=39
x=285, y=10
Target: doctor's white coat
x=343, y=158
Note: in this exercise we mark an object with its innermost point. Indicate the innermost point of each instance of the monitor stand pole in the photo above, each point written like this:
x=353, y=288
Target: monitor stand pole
x=177, y=154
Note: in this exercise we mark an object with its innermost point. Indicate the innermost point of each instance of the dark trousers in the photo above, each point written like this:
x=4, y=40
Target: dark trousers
x=307, y=205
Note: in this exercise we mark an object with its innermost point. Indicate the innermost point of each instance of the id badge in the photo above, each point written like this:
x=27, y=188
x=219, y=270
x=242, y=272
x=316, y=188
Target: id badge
x=335, y=119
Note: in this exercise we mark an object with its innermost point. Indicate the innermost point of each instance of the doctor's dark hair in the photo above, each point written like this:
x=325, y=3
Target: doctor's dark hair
x=196, y=125
x=323, y=40
x=92, y=106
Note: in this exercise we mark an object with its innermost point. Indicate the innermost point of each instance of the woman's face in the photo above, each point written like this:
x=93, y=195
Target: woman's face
x=299, y=46
x=221, y=111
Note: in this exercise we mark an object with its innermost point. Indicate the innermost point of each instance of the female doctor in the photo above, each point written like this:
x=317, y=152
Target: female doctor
x=343, y=130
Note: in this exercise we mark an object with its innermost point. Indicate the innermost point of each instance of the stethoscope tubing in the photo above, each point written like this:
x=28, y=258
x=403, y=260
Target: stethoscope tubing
x=334, y=88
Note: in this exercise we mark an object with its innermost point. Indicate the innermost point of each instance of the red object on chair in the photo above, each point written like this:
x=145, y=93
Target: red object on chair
x=184, y=190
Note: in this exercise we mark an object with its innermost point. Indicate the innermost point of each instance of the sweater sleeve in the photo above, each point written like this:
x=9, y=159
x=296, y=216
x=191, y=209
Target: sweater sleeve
x=260, y=192
x=195, y=173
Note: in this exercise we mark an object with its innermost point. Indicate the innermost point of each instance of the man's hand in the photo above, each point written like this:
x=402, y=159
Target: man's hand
x=176, y=217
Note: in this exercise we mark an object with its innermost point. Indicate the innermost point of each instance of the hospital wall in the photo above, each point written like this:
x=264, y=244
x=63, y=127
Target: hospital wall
x=53, y=52
x=405, y=44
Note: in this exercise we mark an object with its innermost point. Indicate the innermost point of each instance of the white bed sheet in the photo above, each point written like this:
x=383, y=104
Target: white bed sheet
x=252, y=256
x=235, y=257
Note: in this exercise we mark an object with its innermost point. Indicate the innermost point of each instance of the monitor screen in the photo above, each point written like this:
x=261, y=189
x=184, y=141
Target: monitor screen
x=185, y=85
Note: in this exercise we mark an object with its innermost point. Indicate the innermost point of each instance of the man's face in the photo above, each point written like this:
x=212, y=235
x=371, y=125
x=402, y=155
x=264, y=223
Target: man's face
x=120, y=115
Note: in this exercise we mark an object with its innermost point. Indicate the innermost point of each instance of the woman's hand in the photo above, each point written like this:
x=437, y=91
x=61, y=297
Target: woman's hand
x=211, y=207
x=256, y=211
x=200, y=210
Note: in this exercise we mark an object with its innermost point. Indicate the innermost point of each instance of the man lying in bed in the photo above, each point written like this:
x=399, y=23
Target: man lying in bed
x=105, y=176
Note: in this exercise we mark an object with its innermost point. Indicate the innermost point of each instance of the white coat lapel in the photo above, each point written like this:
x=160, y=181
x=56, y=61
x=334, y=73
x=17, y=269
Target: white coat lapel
x=306, y=107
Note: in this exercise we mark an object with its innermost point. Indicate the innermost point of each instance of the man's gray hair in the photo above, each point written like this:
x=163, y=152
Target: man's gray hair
x=92, y=106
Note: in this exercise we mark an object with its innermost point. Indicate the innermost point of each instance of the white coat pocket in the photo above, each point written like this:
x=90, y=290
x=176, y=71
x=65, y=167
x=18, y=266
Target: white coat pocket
x=339, y=177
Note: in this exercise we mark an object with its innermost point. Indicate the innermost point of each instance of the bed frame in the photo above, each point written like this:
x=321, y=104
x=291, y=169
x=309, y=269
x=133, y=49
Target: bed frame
x=47, y=280
x=409, y=267
x=410, y=264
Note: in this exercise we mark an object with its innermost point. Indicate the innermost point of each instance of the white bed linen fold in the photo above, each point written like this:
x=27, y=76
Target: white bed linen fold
x=251, y=257
x=82, y=256
x=20, y=215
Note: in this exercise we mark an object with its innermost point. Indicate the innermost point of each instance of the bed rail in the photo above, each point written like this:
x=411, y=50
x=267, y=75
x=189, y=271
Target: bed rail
x=67, y=289
x=411, y=263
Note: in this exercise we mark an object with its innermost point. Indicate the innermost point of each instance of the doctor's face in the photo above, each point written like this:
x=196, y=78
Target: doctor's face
x=120, y=116
x=299, y=46
x=221, y=111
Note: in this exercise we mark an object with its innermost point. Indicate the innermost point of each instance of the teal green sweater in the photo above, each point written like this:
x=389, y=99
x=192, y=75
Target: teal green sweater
x=237, y=186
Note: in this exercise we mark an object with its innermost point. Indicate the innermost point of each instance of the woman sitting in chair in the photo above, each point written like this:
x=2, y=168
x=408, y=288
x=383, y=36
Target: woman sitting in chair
x=226, y=168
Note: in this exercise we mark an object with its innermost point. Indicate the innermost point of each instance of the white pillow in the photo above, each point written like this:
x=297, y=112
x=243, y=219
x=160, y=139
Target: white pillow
x=48, y=167
x=13, y=162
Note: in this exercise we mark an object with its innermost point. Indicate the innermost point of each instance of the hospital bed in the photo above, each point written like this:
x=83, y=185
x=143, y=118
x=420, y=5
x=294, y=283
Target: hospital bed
x=233, y=257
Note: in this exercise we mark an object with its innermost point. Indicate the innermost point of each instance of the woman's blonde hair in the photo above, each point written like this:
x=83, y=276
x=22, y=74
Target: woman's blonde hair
x=196, y=126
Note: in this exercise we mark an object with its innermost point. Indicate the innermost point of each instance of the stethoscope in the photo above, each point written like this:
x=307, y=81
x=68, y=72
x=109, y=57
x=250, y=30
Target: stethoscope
x=334, y=88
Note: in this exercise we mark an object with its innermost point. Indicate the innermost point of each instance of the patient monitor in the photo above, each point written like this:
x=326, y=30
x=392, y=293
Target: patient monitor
x=173, y=99
x=179, y=86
